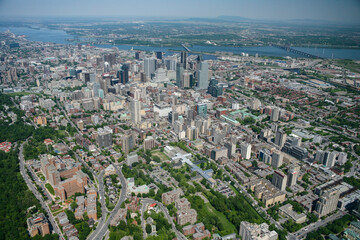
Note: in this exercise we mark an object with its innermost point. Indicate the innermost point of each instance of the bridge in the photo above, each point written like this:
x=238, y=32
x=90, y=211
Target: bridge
x=292, y=50
x=185, y=47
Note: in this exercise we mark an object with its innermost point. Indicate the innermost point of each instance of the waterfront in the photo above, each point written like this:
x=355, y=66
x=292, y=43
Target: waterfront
x=61, y=37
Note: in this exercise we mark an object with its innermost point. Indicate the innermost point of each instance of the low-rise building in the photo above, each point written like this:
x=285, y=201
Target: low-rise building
x=182, y=204
x=38, y=225
x=252, y=231
x=186, y=216
x=198, y=231
x=287, y=210
x=172, y=196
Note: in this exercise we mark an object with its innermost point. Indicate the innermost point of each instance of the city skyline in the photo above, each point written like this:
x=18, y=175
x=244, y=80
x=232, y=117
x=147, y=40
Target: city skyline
x=278, y=10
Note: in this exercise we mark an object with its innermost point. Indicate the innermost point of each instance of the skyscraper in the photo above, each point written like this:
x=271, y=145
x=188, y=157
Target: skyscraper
x=214, y=88
x=277, y=159
x=106, y=67
x=183, y=59
x=275, y=114
x=135, y=108
x=203, y=76
x=329, y=159
x=245, y=150
x=127, y=143
x=202, y=109
x=96, y=88
x=179, y=74
x=149, y=66
x=124, y=74
x=279, y=180
x=293, y=174
x=327, y=202
x=159, y=55
x=104, y=138
x=137, y=55
x=170, y=64
x=280, y=138
x=231, y=147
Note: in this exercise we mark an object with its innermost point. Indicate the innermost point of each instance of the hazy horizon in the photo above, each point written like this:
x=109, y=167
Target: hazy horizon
x=346, y=11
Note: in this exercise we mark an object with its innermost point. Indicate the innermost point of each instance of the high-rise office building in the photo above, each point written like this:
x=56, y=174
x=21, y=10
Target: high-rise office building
x=149, y=143
x=327, y=202
x=231, y=147
x=277, y=159
x=265, y=156
x=104, y=85
x=137, y=55
x=135, y=108
x=293, y=175
x=245, y=149
x=124, y=74
x=342, y=158
x=104, y=138
x=149, y=66
x=183, y=58
x=192, y=133
x=280, y=138
x=170, y=64
x=202, y=109
x=214, y=88
x=159, y=55
x=329, y=159
x=326, y=158
x=275, y=114
x=203, y=76
x=106, y=67
x=110, y=58
x=96, y=88
x=127, y=143
x=279, y=180
x=179, y=74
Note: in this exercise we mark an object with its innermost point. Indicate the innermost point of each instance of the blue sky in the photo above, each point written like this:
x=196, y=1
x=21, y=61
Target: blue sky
x=331, y=10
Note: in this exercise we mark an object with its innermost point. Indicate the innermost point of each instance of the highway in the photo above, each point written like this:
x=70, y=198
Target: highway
x=37, y=194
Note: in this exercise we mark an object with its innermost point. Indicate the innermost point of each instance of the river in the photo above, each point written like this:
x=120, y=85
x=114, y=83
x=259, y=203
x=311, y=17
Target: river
x=60, y=37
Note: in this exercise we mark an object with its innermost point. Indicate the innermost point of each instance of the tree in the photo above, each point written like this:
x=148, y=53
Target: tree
x=73, y=205
x=148, y=228
x=254, y=163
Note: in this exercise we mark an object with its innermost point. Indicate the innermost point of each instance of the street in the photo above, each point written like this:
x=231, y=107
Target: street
x=37, y=194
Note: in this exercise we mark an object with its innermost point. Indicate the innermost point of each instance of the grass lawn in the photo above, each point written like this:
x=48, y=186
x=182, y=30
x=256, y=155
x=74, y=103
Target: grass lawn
x=161, y=155
x=50, y=188
x=41, y=176
x=228, y=226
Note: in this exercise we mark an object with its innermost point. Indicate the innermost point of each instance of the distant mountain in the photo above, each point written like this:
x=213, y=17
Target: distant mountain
x=235, y=18
x=221, y=19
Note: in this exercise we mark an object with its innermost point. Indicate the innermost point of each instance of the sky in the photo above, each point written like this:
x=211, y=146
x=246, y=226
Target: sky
x=329, y=10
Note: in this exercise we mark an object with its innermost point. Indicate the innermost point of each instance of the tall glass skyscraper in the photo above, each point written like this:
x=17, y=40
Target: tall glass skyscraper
x=203, y=76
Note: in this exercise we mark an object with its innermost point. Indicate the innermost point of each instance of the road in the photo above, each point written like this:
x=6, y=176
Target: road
x=102, y=228
x=314, y=226
x=40, y=183
x=37, y=194
x=146, y=201
x=143, y=225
